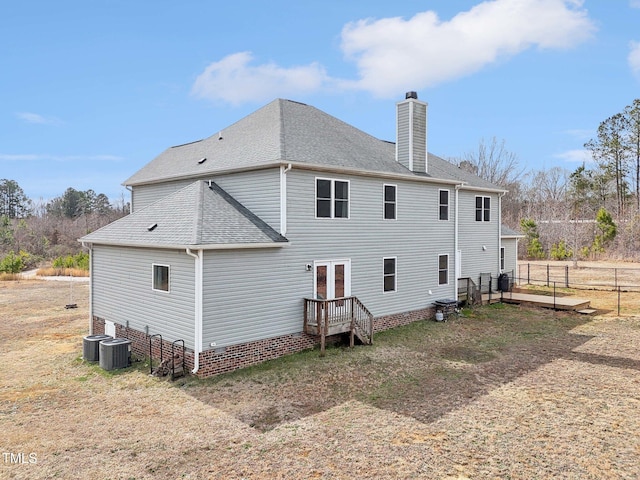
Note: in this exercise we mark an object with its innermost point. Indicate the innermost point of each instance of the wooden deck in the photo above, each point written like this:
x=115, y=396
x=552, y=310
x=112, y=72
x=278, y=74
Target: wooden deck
x=545, y=301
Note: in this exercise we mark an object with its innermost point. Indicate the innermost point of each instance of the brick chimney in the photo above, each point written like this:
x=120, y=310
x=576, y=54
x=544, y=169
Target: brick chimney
x=411, y=133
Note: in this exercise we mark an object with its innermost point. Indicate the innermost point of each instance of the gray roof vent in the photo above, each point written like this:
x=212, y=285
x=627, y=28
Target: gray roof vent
x=152, y=227
x=411, y=95
x=202, y=160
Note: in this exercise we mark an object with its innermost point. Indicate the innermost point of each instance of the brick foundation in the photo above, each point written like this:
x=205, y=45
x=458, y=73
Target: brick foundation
x=233, y=357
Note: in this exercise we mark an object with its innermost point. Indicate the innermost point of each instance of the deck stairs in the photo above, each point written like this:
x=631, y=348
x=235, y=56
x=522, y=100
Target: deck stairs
x=325, y=318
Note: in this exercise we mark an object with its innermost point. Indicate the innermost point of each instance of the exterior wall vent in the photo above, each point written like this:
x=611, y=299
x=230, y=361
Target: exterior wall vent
x=115, y=353
x=152, y=227
x=202, y=160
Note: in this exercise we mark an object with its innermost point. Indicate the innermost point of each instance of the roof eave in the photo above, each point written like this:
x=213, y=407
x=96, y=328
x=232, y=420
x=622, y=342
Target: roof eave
x=214, y=246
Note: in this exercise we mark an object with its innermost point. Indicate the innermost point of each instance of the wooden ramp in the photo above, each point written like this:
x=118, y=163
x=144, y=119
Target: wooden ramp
x=545, y=301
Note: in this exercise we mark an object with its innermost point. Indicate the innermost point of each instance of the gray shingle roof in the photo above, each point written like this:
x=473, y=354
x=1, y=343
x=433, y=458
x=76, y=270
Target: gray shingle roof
x=195, y=216
x=509, y=232
x=285, y=131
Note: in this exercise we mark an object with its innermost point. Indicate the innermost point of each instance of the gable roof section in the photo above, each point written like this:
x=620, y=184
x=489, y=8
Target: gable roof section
x=506, y=232
x=285, y=131
x=197, y=216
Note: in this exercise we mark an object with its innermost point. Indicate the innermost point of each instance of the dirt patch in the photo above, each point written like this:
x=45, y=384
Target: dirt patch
x=502, y=392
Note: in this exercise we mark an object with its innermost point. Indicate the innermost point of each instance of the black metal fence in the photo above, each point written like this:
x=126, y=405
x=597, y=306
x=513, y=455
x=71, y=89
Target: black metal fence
x=620, y=284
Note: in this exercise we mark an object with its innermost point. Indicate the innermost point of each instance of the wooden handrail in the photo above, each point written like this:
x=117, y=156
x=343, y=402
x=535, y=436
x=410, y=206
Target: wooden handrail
x=323, y=314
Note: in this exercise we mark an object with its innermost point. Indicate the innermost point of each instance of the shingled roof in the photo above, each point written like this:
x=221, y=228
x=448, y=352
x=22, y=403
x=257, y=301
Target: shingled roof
x=199, y=215
x=285, y=131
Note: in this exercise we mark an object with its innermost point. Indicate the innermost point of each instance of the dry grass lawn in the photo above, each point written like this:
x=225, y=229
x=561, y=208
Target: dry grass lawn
x=504, y=392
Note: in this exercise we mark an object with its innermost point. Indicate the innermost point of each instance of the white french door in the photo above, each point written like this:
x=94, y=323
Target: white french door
x=332, y=279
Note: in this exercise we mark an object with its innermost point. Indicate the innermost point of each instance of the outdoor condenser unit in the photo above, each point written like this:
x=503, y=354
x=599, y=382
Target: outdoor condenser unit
x=91, y=346
x=115, y=353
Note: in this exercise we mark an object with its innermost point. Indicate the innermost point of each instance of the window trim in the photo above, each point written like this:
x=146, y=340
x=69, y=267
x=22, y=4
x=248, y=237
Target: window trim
x=385, y=201
x=440, y=204
x=153, y=277
x=440, y=270
x=332, y=199
x=385, y=275
x=484, y=210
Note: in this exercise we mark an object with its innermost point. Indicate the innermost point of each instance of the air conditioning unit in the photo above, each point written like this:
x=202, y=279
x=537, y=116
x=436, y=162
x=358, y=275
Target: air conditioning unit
x=91, y=346
x=115, y=353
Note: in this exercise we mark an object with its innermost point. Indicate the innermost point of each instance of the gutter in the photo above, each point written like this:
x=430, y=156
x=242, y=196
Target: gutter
x=197, y=327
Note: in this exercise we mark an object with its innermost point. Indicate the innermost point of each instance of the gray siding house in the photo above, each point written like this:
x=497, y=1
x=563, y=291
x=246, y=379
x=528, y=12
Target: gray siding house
x=239, y=243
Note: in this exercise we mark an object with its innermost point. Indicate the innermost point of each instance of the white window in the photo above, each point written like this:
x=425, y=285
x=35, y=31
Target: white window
x=332, y=198
x=443, y=199
x=389, y=274
x=501, y=258
x=389, y=202
x=161, y=277
x=483, y=209
x=443, y=269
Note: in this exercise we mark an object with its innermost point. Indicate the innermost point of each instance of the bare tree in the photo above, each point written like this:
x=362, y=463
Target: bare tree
x=494, y=163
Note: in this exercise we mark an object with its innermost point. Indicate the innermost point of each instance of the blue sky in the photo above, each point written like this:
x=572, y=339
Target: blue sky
x=90, y=91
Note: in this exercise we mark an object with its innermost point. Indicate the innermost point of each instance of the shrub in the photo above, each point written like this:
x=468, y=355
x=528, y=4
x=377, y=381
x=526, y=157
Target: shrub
x=14, y=263
x=560, y=251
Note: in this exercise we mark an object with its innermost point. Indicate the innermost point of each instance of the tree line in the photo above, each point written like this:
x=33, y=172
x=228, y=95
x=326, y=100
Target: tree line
x=43, y=230
x=592, y=212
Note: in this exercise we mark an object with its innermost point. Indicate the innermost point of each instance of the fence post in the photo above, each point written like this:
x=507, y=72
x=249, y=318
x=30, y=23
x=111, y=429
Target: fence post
x=554, y=296
x=566, y=276
x=528, y=274
x=548, y=275
x=615, y=277
x=618, y=301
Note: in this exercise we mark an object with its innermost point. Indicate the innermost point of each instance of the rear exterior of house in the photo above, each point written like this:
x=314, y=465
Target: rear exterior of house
x=228, y=236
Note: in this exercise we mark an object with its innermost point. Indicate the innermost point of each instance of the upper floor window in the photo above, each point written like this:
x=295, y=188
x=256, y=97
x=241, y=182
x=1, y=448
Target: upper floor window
x=389, y=202
x=483, y=209
x=444, y=205
x=161, y=277
x=443, y=269
x=332, y=198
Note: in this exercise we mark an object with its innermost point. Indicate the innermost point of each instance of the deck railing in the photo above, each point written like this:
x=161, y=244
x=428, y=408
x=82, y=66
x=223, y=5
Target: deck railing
x=346, y=314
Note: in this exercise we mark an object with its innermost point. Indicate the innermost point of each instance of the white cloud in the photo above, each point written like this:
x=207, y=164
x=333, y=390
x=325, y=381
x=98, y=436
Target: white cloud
x=634, y=58
x=634, y=3
x=233, y=80
x=575, y=156
x=394, y=55
x=30, y=157
x=36, y=118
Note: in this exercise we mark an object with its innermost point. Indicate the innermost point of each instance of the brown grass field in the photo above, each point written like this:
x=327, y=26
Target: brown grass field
x=503, y=392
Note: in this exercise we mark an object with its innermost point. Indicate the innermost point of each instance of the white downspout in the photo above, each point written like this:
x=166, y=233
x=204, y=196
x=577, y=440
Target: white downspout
x=283, y=198
x=457, y=266
x=197, y=328
x=90, y=247
x=500, y=229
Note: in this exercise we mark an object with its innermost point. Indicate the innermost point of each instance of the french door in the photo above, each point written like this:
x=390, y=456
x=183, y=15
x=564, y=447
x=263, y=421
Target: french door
x=332, y=279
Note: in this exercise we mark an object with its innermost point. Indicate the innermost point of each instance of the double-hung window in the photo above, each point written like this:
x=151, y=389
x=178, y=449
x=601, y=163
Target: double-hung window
x=389, y=274
x=443, y=269
x=389, y=203
x=483, y=209
x=332, y=198
x=161, y=278
x=443, y=204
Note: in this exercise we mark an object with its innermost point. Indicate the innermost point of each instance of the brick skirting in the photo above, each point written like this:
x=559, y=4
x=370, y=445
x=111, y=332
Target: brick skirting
x=233, y=357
